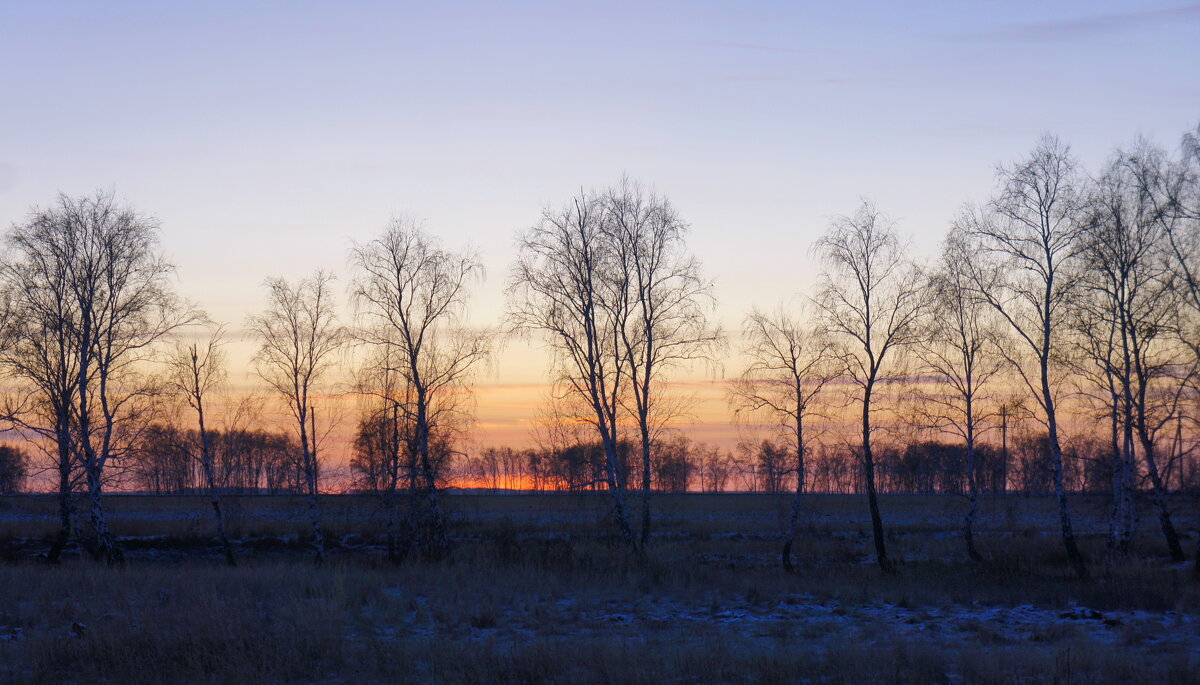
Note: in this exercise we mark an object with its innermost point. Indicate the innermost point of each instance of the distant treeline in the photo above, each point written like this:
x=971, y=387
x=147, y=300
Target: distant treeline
x=165, y=461
x=681, y=465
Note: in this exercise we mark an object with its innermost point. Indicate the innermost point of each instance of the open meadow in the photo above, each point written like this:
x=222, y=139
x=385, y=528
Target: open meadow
x=537, y=590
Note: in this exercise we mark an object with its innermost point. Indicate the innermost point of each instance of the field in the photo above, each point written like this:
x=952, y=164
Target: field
x=536, y=590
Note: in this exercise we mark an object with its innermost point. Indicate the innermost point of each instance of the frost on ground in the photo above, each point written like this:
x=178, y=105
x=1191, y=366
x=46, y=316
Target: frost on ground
x=805, y=621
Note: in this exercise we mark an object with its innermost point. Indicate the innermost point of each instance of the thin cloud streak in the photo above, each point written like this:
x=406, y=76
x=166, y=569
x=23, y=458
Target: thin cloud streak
x=755, y=47
x=1088, y=26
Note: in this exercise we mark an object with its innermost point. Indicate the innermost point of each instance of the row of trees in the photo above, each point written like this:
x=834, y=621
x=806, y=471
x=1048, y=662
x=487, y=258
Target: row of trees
x=166, y=461
x=269, y=462
x=1065, y=285
x=675, y=466
x=169, y=459
x=1063, y=290
x=1061, y=286
x=96, y=345
x=679, y=465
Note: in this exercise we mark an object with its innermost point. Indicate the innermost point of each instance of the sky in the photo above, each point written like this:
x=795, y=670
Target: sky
x=269, y=137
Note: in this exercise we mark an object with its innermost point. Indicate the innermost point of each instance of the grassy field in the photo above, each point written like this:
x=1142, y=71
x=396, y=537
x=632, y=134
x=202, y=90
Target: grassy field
x=536, y=590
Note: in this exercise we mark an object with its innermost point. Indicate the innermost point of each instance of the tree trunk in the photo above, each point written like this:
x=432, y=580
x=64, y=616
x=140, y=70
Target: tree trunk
x=437, y=545
x=1116, y=478
x=1074, y=556
x=314, y=518
x=611, y=464
x=392, y=495
x=972, y=494
x=65, y=510
x=793, y=524
x=228, y=549
x=1117, y=508
x=1160, y=498
x=1196, y=566
x=434, y=542
x=210, y=476
x=645, y=481
x=66, y=502
x=309, y=453
x=872, y=499
x=392, y=505
x=1004, y=449
x=1129, y=504
x=794, y=520
x=106, y=548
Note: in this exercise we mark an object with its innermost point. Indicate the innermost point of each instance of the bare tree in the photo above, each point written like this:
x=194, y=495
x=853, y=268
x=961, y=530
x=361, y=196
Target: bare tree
x=1172, y=188
x=1187, y=206
x=1030, y=236
x=299, y=337
x=871, y=298
x=668, y=324
x=788, y=369
x=96, y=267
x=411, y=296
x=958, y=357
x=383, y=458
x=1131, y=277
x=41, y=354
x=197, y=369
x=568, y=284
x=1103, y=364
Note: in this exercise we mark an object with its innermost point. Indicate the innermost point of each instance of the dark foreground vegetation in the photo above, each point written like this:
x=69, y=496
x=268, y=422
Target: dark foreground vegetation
x=538, y=588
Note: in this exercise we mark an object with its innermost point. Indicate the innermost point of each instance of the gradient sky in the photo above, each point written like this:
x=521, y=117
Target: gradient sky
x=267, y=137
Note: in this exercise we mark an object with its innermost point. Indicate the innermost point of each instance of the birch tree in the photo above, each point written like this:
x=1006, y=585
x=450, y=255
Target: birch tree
x=299, y=338
x=668, y=322
x=568, y=285
x=958, y=356
x=411, y=297
x=385, y=436
x=1028, y=272
x=1131, y=276
x=40, y=355
x=94, y=273
x=197, y=370
x=789, y=367
x=871, y=298
x=1187, y=208
x=1103, y=364
x=1172, y=187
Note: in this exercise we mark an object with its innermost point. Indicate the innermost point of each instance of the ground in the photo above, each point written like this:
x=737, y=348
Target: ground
x=537, y=590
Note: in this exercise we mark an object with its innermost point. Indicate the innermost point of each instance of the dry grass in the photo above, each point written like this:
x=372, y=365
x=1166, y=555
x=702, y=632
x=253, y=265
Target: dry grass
x=733, y=513
x=536, y=592
x=514, y=623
